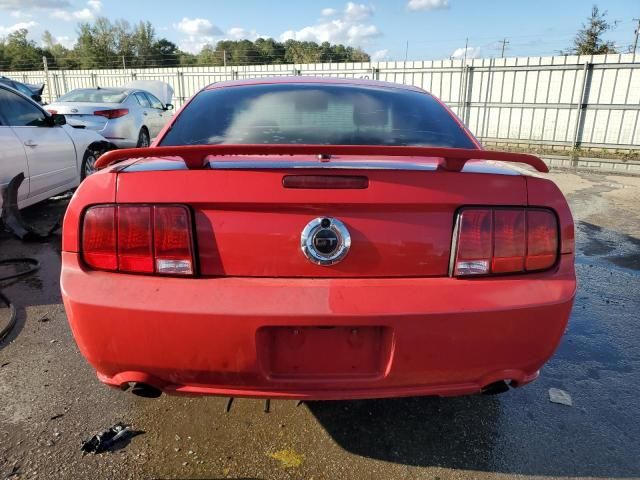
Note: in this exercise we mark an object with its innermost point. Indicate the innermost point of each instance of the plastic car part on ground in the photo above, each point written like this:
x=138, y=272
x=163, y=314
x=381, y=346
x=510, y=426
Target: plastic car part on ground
x=11, y=217
x=560, y=396
x=107, y=439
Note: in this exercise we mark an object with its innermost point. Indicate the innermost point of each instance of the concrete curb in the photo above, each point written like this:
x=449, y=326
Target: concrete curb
x=613, y=165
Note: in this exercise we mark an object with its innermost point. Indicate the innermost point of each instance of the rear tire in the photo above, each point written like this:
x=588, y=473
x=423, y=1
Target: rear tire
x=88, y=164
x=143, y=138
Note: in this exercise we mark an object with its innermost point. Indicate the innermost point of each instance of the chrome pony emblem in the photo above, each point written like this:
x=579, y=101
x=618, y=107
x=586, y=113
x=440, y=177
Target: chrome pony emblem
x=74, y=110
x=325, y=241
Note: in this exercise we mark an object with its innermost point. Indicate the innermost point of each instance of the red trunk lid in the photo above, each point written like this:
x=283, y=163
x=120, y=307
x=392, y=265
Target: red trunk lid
x=248, y=224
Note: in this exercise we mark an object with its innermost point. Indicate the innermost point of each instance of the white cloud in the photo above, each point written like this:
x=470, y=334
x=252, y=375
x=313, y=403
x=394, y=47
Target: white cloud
x=472, y=52
x=20, y=14
x=351, y=28
x=16, y=27
x=27, y=4
x=428, y=4
x=197, y=26
x=194, y=45
x=199, y=31
x=328, y=12
x=357, y=11
x=239, y=33
x=66, y=42
x=82, y=15
x=380, y=55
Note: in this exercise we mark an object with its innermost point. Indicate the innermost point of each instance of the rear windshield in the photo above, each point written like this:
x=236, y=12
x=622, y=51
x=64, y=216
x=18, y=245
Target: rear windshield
x=94, y=96
x=316, y=114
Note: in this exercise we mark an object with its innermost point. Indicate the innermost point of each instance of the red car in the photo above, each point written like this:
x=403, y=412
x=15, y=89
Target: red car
x=317, y=238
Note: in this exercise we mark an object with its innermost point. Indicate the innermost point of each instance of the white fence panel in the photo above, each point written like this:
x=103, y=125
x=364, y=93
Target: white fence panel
x=566, y=101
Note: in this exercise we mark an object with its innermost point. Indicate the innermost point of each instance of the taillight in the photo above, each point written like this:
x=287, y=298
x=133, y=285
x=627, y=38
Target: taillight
x=138, y=239
x=52, y=112
x=114, y=113
x=505, y=240
x=99, y=237
x=173, y=241
x=135, y=239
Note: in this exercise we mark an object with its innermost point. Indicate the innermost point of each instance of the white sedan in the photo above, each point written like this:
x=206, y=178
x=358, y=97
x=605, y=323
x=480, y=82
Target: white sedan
x=52, y=155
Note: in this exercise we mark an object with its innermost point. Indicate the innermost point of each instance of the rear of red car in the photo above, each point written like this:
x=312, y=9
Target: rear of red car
x=317, y=271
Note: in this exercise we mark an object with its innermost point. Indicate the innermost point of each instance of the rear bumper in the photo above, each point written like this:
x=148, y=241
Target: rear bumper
x=418, y=336
x=119, y=131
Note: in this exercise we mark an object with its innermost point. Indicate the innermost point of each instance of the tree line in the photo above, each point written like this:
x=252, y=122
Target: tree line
x=118, y=44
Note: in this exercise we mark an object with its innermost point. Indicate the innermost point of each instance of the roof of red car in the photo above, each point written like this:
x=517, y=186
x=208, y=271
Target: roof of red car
x=307, y=79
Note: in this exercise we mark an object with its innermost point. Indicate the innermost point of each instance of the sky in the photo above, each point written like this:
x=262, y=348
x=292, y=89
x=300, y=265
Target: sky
x=386, y=29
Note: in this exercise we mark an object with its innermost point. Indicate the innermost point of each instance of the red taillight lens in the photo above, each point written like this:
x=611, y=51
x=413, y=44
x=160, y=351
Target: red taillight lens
x=115, y=113
x=52, y=112
x=509, y=241
x=173, y=240
x=135, y=241
x=542, y=239
x=138, y=239
x=505, y=240
x=99, y=238
x=474, y=242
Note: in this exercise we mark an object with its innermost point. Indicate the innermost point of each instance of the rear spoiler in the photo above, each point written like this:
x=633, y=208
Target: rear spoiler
x=196, y=156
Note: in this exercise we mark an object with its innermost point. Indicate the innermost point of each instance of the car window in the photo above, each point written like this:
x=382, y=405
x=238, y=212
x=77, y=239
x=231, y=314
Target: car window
x=155, y=103
x=317, y=114
x=23, y=89
x=94, y=95
x=142, y=99
x=19, y=112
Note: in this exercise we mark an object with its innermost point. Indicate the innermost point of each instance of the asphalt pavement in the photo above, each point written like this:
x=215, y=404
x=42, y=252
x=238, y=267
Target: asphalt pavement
x=50, y=399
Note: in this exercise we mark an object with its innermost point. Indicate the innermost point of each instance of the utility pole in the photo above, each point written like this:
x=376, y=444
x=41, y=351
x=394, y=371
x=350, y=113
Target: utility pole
x=124, y=63
x=466, y=49
x=635, y=41
x=404, y=64
x=224, y=58
x=505, y=42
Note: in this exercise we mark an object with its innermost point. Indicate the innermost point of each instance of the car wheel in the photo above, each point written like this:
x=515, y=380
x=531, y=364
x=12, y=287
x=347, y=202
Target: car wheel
x=143, y=138
x=88, y=164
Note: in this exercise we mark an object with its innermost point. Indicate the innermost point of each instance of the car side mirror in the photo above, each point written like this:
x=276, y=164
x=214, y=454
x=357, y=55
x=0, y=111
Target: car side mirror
x=168, y=106
x=57, y=120
x=36, y=98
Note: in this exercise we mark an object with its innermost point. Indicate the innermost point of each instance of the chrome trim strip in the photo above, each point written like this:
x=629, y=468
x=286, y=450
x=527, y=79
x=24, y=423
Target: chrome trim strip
x=331, y=165
x=486, y=167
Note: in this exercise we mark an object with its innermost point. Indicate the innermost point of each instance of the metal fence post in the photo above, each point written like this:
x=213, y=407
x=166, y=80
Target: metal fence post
x=468, y=92
x=46, y=78
x=94, y=80
x=180, y=86
x=55, y=84
x=64, y=81
x=582, y=103
x=486, y=117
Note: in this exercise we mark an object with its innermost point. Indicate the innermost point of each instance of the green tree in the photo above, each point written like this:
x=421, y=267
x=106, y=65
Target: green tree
x=167, y=52
x=588, y=40
x=20, y=53
x=58, y=55
x=113, y=44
